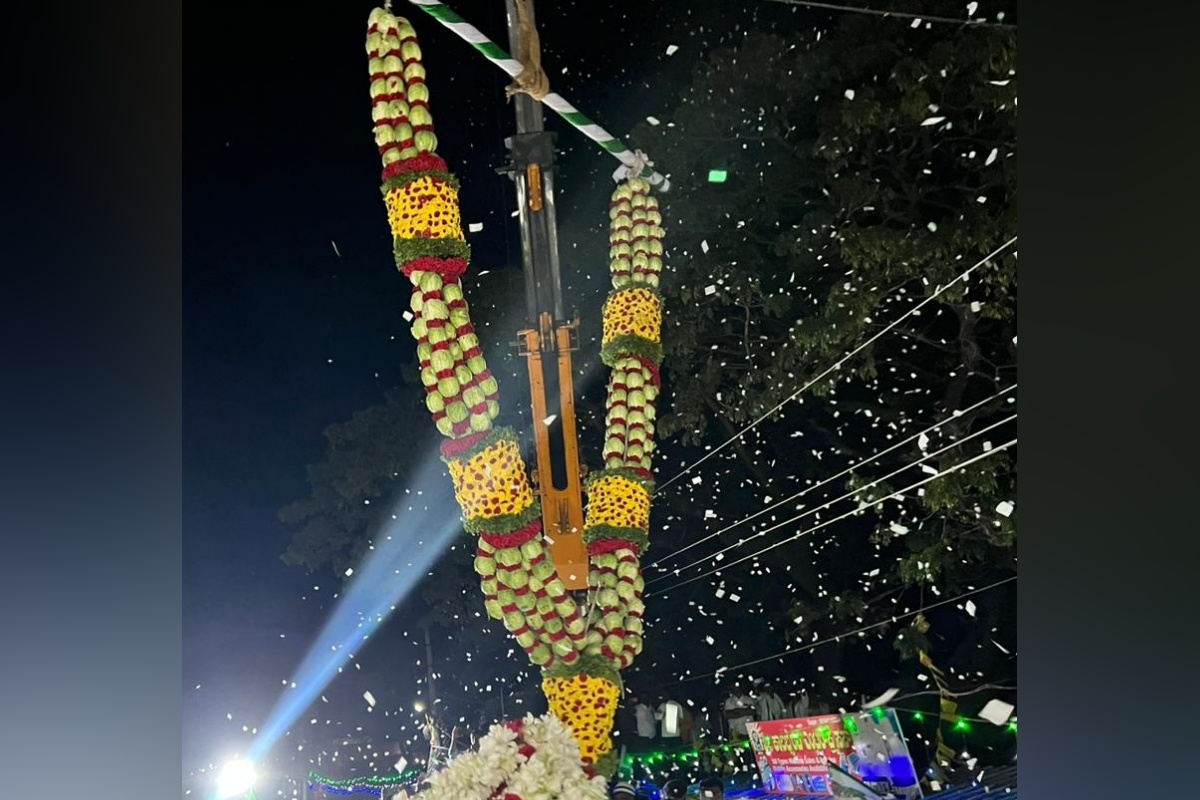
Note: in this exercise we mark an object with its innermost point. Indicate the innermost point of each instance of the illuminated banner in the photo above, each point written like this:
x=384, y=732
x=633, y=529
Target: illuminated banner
x=794, y=755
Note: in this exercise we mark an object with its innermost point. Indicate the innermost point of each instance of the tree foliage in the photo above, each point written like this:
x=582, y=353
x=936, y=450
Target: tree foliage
x=869, y=165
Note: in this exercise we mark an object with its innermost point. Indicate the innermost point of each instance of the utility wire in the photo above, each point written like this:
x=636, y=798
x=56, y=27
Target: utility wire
x=847, y=470
x=971, y=23
x=846, y=496
x=864, y=629
x=976, y=690
x=837, y=365
x=852, y=512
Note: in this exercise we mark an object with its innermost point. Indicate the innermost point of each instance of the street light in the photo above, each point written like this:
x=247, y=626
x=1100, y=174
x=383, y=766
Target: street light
x=235, y=779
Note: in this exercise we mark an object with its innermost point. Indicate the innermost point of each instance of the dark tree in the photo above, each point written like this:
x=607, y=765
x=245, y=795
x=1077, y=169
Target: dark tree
x=866, y=167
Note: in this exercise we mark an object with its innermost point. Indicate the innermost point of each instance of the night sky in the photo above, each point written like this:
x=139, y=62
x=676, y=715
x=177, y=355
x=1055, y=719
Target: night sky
x=292, y=302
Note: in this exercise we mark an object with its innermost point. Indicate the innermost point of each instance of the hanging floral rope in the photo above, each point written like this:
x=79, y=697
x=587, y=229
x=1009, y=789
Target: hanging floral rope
x=580, y=657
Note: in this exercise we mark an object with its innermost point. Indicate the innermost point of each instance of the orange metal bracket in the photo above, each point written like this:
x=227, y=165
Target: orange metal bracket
x=535, y=187
x=562, y=506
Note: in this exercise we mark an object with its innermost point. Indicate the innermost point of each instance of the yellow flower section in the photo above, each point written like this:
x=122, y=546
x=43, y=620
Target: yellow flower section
x=492, y=482
x=588, y=705
x=425, y=208
x=618, y=501
x=635, y=312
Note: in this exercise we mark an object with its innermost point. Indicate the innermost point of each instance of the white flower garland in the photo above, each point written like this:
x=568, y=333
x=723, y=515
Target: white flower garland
x=499, y=771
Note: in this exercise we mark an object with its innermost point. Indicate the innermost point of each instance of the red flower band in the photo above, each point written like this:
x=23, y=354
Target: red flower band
x=652, y=368
x=514, y=539
x=456, y=447
x=451, y=269
x=424, y=162
x=601, y=546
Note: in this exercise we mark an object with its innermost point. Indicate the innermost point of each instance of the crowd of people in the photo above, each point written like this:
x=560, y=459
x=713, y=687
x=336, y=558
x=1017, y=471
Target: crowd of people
x=647, y=724
x=670, y=723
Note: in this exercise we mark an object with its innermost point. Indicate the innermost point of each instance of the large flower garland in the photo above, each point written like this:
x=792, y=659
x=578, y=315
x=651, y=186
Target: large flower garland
x=580, y=657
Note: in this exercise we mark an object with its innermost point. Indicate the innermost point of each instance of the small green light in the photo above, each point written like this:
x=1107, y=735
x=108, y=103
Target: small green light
x=961, y=725
x=878, y=713
x=851, y=724
x=717, y=175
x=1012, y=727
x=918, y=716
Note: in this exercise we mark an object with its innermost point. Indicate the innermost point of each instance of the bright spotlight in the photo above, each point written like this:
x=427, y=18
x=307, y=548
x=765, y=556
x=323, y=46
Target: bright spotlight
x=236, y=778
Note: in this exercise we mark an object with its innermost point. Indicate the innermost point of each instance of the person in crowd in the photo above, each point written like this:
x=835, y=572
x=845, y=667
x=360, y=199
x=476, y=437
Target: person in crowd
x=739, y=709
x=800, y=705
x=625, y=726
x=769, y=705
x=687, y=725
x=675, y=789
x=712, y=789
x=623, y=791
x=647, y=728
x=670, y=717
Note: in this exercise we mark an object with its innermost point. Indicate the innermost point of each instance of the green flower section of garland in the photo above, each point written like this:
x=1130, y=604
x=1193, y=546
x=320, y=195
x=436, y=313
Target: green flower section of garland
x=585, y=665
x=598, y=533
x=407, y=250
x=631, y=345
x=505, y=523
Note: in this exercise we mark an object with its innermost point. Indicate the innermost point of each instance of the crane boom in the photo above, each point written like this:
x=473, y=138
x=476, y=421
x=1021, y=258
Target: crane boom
x=550, y=339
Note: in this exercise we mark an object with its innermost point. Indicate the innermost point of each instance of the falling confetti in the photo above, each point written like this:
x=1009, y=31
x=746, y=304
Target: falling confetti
x=997, y=712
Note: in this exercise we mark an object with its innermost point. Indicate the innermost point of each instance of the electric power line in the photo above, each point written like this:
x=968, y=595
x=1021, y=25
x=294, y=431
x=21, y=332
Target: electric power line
x=837, y=365
x=851, y=468
x=955, y=468
x=864, y=629
x=973, y=23
x=846, y=496
x=939, y=692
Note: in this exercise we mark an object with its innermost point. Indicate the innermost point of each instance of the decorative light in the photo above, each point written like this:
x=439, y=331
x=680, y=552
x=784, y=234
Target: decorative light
x=372, y=785
x=236, y=778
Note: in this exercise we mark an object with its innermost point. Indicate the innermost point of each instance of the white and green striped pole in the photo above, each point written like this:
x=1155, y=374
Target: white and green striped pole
x=554, y=101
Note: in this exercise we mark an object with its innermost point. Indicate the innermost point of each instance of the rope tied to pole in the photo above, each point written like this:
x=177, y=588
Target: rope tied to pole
x=639, y=164
x=532, y=80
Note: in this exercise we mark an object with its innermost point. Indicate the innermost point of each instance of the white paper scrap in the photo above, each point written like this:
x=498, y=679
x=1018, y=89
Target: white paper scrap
x=997, y=712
